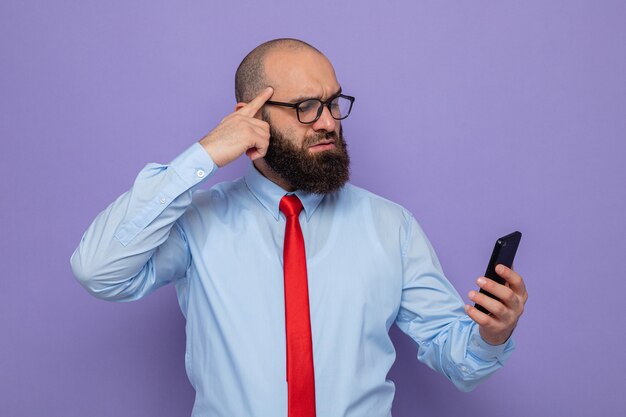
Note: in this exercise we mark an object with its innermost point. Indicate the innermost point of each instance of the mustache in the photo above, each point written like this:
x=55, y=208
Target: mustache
x=315, y=138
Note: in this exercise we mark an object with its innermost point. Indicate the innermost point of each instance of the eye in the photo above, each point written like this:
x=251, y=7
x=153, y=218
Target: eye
x=308, y=106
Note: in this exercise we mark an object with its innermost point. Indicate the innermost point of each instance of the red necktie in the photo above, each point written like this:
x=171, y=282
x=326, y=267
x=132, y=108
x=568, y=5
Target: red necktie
x=300, y=374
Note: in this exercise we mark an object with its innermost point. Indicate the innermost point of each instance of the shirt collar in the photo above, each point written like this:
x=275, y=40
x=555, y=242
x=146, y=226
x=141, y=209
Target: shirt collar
x=269, y=194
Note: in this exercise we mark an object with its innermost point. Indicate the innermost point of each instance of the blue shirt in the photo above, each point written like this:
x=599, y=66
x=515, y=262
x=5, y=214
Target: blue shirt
x=369, y=266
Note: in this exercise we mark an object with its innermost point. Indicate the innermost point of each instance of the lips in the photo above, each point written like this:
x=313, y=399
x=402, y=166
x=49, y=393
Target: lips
x=324, y=142
x=321, y=146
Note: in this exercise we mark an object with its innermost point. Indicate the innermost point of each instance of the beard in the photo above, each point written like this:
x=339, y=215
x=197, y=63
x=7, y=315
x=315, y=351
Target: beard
x=322, y=172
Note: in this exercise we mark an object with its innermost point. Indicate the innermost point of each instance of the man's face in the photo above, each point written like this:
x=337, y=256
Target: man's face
x=311, y=157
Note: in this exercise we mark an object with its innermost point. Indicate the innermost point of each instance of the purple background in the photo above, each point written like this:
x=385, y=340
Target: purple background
x=480, y=117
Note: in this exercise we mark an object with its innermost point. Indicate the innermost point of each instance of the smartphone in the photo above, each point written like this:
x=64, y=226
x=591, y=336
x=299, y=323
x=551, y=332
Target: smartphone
x=503, y=253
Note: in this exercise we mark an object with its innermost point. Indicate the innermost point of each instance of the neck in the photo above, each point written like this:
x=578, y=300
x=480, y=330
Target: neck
x=269, y=173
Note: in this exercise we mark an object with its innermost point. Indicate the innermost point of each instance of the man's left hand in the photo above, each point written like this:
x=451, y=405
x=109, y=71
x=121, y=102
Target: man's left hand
x=497, y=327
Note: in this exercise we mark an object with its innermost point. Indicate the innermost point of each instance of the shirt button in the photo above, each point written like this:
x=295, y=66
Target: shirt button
x=200, y=173
x=163, y=200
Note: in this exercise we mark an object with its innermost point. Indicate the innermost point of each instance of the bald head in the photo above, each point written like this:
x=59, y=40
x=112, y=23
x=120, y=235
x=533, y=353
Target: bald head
x=250, y=76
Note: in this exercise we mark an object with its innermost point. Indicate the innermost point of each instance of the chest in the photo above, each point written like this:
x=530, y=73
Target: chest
x=353, y=268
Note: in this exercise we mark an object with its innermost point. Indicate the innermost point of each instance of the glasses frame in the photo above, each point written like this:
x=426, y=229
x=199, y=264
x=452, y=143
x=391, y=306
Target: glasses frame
x=320, y=109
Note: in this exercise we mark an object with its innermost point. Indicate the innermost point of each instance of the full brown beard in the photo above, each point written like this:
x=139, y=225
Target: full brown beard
x=321, y=173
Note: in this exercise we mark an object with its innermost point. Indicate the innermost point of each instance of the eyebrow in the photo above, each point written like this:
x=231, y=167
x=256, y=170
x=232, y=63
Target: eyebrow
x=303, y=98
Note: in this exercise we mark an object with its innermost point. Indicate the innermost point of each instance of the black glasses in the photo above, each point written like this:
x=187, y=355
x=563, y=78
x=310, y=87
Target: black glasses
x=311, y=109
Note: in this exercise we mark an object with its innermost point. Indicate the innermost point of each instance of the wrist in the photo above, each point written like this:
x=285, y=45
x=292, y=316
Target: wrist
x=495, y=339
x=213, y=152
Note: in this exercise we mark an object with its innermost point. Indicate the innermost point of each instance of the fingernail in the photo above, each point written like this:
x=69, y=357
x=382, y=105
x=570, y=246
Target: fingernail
x=481, y=281
x=499, y=269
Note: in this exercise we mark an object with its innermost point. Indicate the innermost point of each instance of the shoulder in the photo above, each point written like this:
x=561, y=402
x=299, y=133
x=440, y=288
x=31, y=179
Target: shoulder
x=359, y=203
x=359, y=197
x=387, y=221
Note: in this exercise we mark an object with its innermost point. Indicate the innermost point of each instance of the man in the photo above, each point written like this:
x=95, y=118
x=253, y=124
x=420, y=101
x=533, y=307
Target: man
x=309, y=337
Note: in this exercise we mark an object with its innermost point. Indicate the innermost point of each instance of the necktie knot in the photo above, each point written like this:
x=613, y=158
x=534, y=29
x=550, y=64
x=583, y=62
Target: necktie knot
x=290, y=205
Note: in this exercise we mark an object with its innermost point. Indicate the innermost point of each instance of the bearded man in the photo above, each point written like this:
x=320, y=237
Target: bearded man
x=290, y=277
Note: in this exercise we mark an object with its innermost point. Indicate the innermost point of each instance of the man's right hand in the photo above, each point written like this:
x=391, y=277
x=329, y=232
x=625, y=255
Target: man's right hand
x=240, y=132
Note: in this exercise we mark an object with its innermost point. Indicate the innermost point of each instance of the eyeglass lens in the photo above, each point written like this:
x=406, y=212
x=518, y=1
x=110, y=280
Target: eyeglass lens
x=309, y=111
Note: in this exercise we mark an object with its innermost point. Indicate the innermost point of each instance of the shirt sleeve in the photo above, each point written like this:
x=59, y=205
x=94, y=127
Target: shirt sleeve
x=135, y=245
x=431, y=313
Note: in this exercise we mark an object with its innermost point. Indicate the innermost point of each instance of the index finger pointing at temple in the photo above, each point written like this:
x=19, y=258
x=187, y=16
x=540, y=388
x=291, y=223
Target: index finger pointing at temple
x=256, y=103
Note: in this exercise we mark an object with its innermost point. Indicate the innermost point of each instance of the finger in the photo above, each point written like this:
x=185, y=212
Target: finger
x=254, y=154
x=239, y=117
x=513, y=278
x=256, y=103
x=494, y=306
x=260, y=130
x=260, y=124
x=259, y=148
x=478, y=316
x=503, y=292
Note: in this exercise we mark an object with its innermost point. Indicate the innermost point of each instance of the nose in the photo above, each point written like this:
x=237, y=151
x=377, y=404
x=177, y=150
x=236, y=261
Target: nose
x=325, y=122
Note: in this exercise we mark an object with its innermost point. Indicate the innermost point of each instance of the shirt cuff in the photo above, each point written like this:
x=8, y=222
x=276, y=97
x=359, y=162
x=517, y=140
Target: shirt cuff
x=194, y=166
x=190, y=169
x=483, y=350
